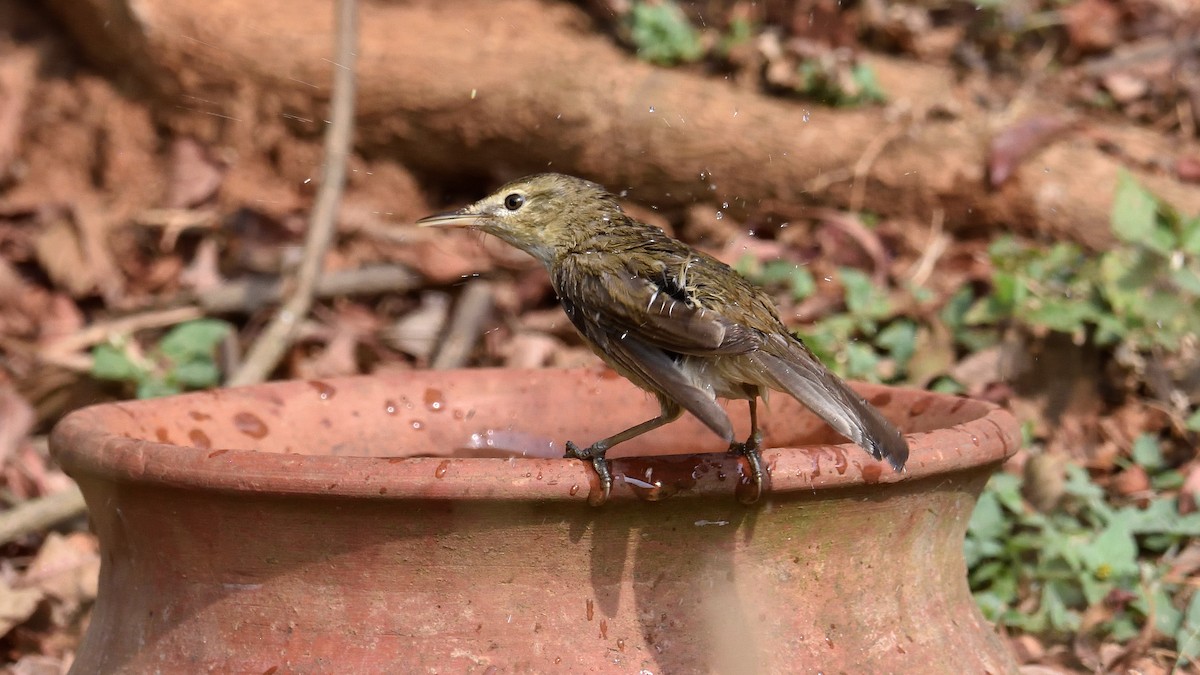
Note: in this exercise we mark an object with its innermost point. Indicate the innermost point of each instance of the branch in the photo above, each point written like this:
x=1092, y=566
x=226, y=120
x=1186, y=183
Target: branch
x=465, y=326
x=271, y=345
x=39, y=514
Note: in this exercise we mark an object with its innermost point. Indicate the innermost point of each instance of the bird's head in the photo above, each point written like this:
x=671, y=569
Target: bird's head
x=544, y=215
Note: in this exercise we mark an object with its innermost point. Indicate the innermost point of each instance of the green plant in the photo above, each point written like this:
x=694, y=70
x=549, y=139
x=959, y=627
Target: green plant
x=183, y=359
x=835, y=86
x=662, y=33
x=741, y=31
x=1085, y=554
x=1145, y=292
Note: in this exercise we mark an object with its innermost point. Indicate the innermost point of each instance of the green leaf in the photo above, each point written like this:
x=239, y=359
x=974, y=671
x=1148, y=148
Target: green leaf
x=863, y=298
x=777, y=272
x=1187, y=280
x=662, y=33
x=1161, y=516
x=1007, y=489
x=988, y=521
x=802, y=283
x=1189, y=236
x=1062, y=315
x=900, y=341
x=741, y=30
x=869, y=90
x=110, y=363
x=196, y=374
x=1193, y=420
x=1061, y=617
x=1147, y=453
x=1134, y=211
x=990, y=605
x=1112, y=554
x=1166, y=480
x=194, y=339
x=1187, y=640
x=1167, y=619
x=153, y=387
x=861, y=362
x=946, y=385
x=749, y=267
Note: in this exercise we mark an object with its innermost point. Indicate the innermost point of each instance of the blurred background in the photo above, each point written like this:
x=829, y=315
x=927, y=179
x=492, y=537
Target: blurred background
x=997, y=199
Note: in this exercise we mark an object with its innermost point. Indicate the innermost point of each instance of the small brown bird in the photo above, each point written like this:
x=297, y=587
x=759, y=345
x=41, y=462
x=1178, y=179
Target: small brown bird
x=676, y=322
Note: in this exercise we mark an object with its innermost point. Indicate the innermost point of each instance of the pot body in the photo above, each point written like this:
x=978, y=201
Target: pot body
x=338, y=527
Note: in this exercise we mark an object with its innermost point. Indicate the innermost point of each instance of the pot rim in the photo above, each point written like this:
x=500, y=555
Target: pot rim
x=85, y=449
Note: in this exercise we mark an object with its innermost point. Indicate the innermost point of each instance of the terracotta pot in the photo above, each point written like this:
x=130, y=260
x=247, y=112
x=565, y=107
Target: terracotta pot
x=356, y=525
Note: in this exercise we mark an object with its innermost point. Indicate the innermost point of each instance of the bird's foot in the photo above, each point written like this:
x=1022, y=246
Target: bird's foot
x=751, y=451
x=598, y=463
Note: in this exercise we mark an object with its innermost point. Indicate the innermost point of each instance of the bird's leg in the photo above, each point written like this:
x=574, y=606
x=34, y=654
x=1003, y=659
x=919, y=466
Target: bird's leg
x=596, y=451
x=750, y=449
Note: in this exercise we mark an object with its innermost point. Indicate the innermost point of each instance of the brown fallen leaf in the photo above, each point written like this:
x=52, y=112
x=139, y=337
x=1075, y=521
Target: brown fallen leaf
x=529, y=350
x=194, y=177
x=1014, y=144
x=16, y=421
x=66, y=569
x=40, y=664
x=1187, y=168
x=16, y=605
x=416, y=333
x=1092, y=25
x=1131, y=482
x=1189, y=494
x=60, y=253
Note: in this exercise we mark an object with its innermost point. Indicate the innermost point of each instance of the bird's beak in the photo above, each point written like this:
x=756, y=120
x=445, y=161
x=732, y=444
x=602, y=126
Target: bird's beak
x=449, y=219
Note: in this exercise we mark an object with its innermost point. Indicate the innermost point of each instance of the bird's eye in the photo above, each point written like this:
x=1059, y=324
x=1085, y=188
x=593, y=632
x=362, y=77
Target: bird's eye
x=514, y=201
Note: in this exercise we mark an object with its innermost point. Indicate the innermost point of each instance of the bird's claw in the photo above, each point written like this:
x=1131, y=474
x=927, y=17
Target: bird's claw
x=600, y=465
x=750, y=450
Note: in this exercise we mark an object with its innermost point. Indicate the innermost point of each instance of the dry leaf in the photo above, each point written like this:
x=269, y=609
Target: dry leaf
x=60, y=254
x=1092, y=25
x=416, y=333
x=66, y=568
x=37, y=664
x=16, y=606
x=1014, y=144
x=194, y=177
x=16, y=421
x=529, y=350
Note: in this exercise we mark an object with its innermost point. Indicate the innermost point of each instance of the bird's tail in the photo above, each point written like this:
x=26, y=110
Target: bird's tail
x=796, y=370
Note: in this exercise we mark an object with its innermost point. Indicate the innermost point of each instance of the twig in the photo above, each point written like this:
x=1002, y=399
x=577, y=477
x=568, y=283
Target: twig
x=270, y=346
x=38, y=514
x=250, y=294
x=935, y=246
x=100, y=331
x=465, y=325
x=1150, y=49
x=858, y=189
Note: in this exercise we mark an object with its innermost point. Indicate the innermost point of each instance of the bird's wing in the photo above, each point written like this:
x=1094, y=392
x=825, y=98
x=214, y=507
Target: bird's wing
x=641, y=347
x=650, y=307
x=644, y=363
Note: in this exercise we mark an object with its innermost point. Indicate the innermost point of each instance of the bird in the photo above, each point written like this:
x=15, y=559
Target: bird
x=673, y=320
